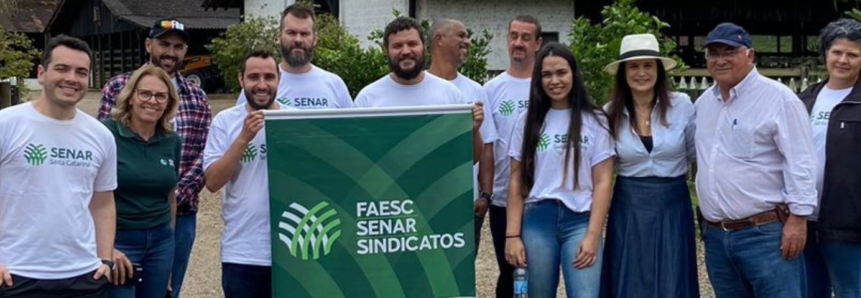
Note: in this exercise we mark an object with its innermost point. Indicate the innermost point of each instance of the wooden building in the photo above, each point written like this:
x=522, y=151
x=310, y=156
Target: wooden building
x=116, y=29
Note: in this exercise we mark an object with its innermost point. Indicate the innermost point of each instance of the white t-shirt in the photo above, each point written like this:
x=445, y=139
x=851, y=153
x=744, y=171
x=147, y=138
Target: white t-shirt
x=49, y=170
x=432, y=90
x=316, y=89
x=596, y=146
x=245, y=212
x=507, y=97
x=825, y=102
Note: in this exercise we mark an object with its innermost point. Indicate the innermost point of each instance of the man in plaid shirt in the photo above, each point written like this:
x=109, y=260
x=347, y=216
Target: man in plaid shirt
x=167, y=46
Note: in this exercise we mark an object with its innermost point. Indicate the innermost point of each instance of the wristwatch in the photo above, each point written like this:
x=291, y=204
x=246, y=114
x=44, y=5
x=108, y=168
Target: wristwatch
x=109, y=263
x=486, y=195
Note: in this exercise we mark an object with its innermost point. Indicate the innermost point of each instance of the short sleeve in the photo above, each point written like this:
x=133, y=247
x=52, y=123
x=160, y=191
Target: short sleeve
x=604, y=145
x=106, y=178
x=515, y=146
x=489, y=134
x=215, y=143
x=342, y=94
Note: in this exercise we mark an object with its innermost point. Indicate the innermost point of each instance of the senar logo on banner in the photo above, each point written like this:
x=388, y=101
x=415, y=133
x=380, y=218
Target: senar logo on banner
x=305, y=231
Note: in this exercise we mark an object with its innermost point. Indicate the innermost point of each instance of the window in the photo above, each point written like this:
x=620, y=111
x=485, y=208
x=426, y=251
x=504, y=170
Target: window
x=327, y=6
x=549, y=36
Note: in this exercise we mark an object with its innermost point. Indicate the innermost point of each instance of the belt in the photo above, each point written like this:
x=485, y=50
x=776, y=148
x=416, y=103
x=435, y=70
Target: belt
x=755, y=220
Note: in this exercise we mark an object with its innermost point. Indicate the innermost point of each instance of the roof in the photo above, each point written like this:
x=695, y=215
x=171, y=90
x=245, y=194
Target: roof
x=190, y=12
x=32, y=16
x=226, y=4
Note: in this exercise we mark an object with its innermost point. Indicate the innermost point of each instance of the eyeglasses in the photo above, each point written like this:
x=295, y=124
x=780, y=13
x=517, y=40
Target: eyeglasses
x=714, y=55
x=146, y=95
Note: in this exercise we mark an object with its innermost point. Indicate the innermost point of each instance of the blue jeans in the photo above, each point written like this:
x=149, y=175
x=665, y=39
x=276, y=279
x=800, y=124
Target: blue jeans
x=552, y=234
x=186, y=229
x=246, y=281
x=747, y=263
x=833, y=264
x=505, y=280
x=153, y=249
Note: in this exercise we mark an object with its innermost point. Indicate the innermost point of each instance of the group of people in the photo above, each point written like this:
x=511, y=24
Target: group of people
x=86, y=207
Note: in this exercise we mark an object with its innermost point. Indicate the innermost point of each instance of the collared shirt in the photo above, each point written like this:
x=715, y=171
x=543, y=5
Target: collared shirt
x=754, y=151
x=672, y=145
x=191, y=123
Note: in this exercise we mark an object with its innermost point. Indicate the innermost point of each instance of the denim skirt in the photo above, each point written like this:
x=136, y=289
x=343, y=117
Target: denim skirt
x=650, y=250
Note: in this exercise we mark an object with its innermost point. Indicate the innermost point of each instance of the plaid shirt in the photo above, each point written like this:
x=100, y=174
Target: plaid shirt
x=192, y=124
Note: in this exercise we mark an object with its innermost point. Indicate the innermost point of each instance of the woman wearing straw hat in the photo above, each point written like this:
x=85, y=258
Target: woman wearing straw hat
x=650, y=249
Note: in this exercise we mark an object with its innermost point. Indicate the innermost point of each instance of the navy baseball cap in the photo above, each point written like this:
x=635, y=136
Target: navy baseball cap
x=729, y=34
x=164, y=26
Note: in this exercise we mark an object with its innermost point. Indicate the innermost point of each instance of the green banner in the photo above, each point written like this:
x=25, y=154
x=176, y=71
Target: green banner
x=371, y=203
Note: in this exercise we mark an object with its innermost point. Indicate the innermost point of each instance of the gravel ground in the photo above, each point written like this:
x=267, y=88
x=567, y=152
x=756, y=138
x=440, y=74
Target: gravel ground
x=203, y=279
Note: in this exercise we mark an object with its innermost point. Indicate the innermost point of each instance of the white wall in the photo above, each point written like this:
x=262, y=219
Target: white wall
x=495, y=15
x=265, y=8
x=361, y=17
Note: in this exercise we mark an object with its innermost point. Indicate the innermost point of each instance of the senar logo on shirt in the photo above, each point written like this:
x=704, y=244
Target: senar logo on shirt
x=543, y=142
x=284, y=101
x=506, y=108
x=35, y=154
x=250, y=153
x=307, y=232
x=167, y=162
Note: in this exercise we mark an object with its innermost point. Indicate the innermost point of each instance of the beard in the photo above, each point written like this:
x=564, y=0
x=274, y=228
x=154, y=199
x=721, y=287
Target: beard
x=249, y=96
x=157, y=61
x=407, y=74
x=297, y=60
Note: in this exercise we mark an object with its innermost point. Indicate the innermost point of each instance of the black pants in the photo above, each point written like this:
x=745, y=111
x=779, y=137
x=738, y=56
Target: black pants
x=505, y=281
x=83, y=286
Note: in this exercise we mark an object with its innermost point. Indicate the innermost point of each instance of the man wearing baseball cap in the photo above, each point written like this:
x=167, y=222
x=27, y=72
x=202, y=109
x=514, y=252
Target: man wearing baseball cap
x=756, y=177
x=167, y=45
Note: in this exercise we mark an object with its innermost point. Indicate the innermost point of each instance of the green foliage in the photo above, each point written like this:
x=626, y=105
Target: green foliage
x=597, y=45
x=17, y=54
x=854, y=13
x=342, y=54
x=240, y=39
x=337, y=51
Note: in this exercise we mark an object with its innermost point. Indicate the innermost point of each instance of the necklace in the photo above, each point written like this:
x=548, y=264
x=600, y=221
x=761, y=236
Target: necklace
x=645, y=116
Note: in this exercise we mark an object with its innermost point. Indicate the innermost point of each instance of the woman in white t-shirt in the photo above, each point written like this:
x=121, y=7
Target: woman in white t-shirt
x=561, y=171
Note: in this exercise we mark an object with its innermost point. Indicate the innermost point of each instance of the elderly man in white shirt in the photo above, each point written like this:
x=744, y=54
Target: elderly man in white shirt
x=756, y=177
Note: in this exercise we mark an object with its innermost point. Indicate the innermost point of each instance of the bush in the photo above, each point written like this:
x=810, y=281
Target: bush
x=597, y=45
x=17, y=54
x=337, y=51
x=240, y=39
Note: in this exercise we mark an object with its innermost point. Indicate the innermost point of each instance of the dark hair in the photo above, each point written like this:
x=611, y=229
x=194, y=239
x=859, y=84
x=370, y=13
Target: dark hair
x=539, y=106
x=402, y=24
x=255, y=54
x=65, y=41
x=622, y=99
x=301, y=11
x=842, y=28
x=528, y=19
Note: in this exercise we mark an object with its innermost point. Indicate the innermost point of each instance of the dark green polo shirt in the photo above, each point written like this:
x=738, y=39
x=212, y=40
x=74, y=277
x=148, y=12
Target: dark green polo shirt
x=146, y=173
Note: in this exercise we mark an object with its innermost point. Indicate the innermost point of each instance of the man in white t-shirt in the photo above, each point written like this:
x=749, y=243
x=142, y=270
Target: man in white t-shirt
x=507, y=97
x=235, y=159
x=302, y=84
x=449, y=44
x=58, y=170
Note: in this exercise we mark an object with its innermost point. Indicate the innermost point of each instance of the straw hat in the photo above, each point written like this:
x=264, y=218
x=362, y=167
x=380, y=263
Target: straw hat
x=639, y=46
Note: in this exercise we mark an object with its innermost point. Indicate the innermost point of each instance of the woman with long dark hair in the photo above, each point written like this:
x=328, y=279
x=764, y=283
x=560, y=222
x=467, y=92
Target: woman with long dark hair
x=650, y=249
x=561, y=170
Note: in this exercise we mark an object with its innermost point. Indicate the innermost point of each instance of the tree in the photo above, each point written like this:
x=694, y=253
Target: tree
x=17, y=54
x=597, y=45
x=239, y=40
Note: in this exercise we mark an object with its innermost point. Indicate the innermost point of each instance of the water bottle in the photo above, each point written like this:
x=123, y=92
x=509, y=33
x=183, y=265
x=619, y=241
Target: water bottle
x=521, y=283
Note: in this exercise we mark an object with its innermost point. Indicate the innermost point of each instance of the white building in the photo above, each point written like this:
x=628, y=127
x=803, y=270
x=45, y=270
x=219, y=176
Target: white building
x=361, y=17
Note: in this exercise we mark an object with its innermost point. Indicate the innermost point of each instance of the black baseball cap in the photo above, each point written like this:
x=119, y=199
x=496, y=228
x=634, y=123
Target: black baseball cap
x=729, y=34
x=164, y=26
